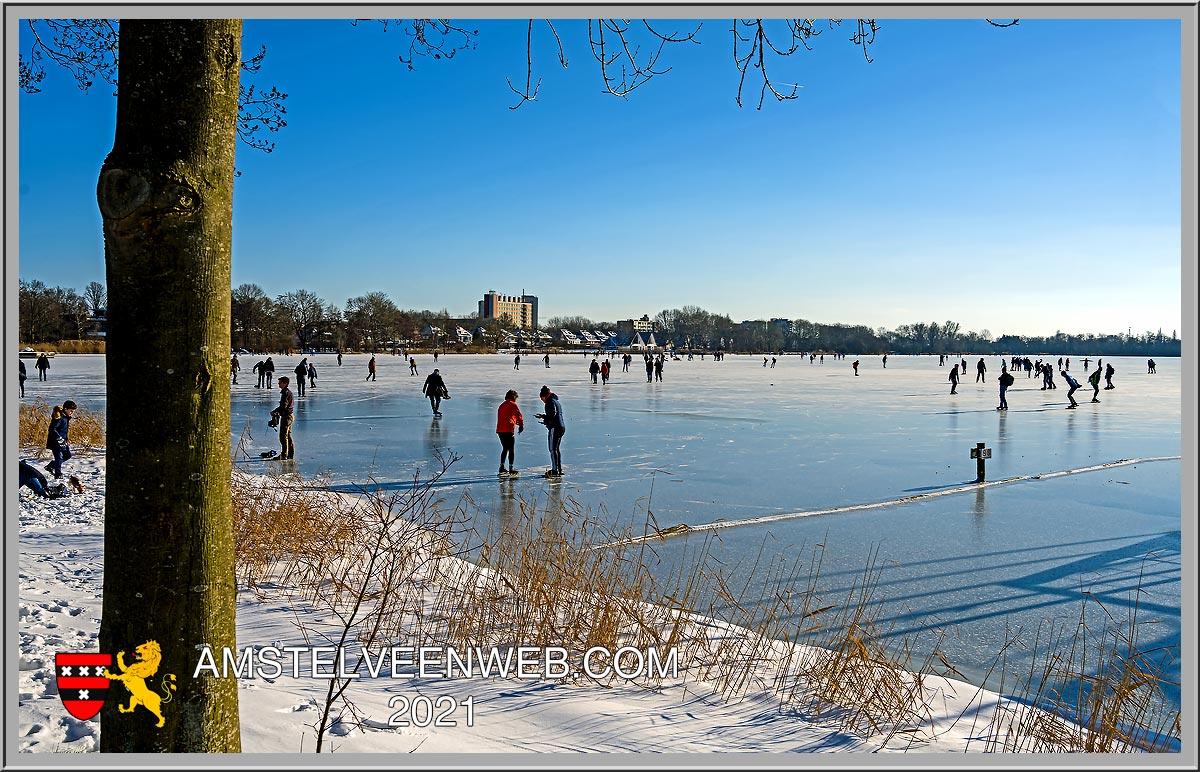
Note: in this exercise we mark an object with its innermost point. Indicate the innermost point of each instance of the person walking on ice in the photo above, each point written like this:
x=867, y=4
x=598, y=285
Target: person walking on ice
x=508, y=416
x=371, y=369
x=556, y=427
x=954, y=379
x=594, y=369
x=412, y=366
x=1006, y=380
x=435, y=389
x=546, y=360
x=234, y=367
x=517, y=362
x=1108, y=374
x=1074, y=384
x=980, y=369
x=1149, y=369
x=42, y=365
x=301, y=371
x=1094, y=380
x=22, y=376
x=854, y=364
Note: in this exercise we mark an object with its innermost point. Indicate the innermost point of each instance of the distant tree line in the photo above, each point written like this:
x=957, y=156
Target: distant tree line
x=57, y=313
x=373, y=322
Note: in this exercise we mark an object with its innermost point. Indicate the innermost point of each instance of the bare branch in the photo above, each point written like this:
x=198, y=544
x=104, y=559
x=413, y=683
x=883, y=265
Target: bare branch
x=435, y=38
x=88, y=48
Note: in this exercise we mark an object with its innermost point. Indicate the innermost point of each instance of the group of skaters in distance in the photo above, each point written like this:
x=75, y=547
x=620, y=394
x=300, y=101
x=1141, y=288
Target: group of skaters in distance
x=1043, y=370
x=510, y=421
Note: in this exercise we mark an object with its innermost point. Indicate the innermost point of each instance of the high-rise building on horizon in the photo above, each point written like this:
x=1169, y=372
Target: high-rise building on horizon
x=521, y=309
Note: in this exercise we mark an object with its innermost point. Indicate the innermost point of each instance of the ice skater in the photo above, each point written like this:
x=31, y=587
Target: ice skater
x=1149, y=369
x=658, y=366
x=1074, y=384
x=980, y=369
x=268, y=372
x=234, y=367
x=517, y=362
x=339, y=358
x=371, y=369
x=556, y=427
x=954, y=379
x=649, y=369
x=281, y=417
x=546, y=360
x=1108, y=374
x=412, y=366
x=854, y=364
x=885, y=361
x=1094, y=380
x=22, y=376
x=312, y=375
x=435, y=389
x=42, y=365
x=508, y=416
x=260, y=370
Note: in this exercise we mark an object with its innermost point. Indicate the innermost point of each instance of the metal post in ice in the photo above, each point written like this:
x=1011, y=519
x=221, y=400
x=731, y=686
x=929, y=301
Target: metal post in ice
x=979, y=453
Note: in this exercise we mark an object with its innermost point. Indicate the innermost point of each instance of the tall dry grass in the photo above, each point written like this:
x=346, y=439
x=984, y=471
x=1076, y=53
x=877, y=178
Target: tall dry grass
x=84, y=346
x=390, y=567
x=86, y=431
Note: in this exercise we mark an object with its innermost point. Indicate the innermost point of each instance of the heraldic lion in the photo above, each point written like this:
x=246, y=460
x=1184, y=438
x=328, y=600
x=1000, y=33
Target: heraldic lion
x=135, y=675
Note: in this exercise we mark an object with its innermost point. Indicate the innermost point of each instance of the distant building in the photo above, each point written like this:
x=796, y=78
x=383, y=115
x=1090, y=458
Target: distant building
x=636, y=325
x=521, y=309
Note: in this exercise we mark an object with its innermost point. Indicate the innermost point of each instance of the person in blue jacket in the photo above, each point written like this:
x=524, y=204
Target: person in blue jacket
x=556, y=427
x=57, y=437
x=35, y=481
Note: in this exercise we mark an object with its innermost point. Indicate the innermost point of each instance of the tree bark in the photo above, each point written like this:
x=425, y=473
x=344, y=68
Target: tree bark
x=166, y=196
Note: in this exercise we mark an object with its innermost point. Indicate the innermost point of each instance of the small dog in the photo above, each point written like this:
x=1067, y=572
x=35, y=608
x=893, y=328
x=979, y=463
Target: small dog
x=75, y=484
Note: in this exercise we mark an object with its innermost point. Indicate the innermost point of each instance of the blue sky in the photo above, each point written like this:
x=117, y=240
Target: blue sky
x=1022, y=180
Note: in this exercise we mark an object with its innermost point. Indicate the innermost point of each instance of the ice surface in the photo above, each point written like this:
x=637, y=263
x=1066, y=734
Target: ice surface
x=733, y=440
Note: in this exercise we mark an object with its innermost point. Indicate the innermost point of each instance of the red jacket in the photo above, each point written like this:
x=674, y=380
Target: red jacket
x=509, y=416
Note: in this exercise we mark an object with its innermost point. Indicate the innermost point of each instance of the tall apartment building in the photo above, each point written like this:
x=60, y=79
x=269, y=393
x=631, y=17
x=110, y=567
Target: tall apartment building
x=522, y=309
x=630, y=326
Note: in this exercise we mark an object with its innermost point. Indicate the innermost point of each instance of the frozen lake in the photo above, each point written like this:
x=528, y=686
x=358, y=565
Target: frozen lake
x=733, y=440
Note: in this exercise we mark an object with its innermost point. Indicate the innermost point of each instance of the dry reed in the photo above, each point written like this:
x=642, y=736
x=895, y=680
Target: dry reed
x=86, y=431
x=390, y=567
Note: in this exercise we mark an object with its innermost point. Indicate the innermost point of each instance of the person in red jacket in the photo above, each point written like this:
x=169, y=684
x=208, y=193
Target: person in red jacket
x=508, y=417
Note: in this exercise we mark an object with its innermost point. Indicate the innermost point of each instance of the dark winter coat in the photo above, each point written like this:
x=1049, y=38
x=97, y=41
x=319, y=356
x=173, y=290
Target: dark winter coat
x=434, y=386
x=60, y=427
x=554, y=413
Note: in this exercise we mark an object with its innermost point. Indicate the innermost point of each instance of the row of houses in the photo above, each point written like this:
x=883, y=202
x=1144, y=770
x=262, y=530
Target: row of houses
x=586, y=339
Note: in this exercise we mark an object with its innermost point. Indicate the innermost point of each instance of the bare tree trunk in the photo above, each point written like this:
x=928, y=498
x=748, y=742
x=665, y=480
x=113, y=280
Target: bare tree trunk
x=166, y=195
